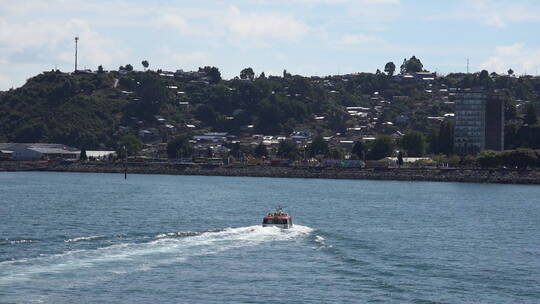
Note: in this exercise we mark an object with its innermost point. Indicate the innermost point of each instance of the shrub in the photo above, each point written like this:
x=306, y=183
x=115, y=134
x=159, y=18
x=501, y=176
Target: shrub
x=489, y=159
x=520, y=158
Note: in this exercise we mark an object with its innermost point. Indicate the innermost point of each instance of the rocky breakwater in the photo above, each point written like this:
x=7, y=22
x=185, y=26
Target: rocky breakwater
x=404, y=174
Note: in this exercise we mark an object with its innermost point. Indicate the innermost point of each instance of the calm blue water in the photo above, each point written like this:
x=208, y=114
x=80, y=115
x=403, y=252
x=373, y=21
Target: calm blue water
x=79, y=238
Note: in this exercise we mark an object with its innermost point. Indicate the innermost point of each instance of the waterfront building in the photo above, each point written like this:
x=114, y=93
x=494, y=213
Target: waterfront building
x=479, y=122
x=37, y=151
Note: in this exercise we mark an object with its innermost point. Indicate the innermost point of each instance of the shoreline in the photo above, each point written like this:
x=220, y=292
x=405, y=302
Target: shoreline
x=494, y=176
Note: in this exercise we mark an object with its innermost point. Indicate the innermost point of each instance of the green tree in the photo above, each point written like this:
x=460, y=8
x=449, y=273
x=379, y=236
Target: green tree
x=128, y=67
x=383, y=146
x=414, y=143
x=247, y=73
x=286, y=74
x=413, y=65
x=29, y=133
x=390, y=68
x=269, y=117
x=206, y=113
x=261, y=150
x=453, y=160
x=153, y=94
x=433, y=141
x=287, y=149
x=359, y=149
x=83, y=156
x=520, y=158
x=483, y=74
x=336, y=119
x=335, y=153
x=235, y=150
x=317, y=147
x=485, y=80
x=489, y=159
x=530, y=115
x=446, y=137
x=179, y=147
x=469, y=161
x=145, y=64
x=403, y=67
x=100, y=69
x=510, y=72
x=213, y=73
x=128, y=143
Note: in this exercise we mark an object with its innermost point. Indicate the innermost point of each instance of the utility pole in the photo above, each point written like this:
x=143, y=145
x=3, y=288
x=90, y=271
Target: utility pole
x=76, y=41
x=125, y=162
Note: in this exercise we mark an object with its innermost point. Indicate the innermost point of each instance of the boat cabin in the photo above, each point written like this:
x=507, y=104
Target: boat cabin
x=278, y=219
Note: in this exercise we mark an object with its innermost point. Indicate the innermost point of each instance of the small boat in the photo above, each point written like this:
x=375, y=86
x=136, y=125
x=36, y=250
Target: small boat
x=279, y=219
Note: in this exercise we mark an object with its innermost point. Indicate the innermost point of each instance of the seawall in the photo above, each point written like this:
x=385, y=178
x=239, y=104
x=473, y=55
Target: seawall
x=502, y=176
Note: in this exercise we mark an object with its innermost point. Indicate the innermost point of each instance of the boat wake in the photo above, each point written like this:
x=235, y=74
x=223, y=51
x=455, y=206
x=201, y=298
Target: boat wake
x=163, y=249
x=14, y=242
x=85, y=238
x=322, y=242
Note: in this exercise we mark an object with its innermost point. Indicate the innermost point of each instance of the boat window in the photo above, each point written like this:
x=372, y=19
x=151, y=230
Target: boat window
x=277, y=221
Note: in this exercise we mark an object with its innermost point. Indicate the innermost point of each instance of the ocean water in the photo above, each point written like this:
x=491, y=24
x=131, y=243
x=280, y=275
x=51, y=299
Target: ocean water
x=97, y=238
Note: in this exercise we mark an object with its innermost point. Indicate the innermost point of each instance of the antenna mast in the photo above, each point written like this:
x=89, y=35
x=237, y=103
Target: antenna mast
x=76, y=41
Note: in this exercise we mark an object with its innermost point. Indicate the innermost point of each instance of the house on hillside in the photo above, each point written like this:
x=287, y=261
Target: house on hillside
x=300, y=136
x=211, y=137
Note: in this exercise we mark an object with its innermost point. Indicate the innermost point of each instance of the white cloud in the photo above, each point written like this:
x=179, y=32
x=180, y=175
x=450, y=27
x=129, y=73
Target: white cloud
x=5, y=82
x=193, y=58
x=37, y=36
x=172, y=59
x=360, y=39
x=232, y=25
x=381, y=1
x=94, y=49
x=21, y=42
x=495, y=13
x=332, y=1
x=373, y=15
x=173, y=21
x=264, y=26
x=21, y=35
x=312, y=1
x=517, y=57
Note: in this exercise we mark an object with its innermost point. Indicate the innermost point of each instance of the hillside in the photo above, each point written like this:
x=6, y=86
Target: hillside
x=94, y=109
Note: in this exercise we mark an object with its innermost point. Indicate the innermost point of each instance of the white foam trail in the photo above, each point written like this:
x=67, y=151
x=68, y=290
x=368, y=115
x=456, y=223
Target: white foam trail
x=16, y=242
x=128, y=257
x=322, y=241
x=85, y=238
x=175, y=234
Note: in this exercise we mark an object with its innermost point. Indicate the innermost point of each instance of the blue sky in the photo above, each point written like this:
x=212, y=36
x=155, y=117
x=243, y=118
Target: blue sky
x=307, y=37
